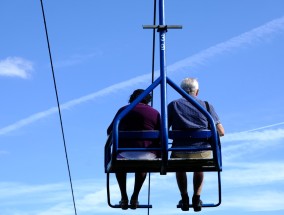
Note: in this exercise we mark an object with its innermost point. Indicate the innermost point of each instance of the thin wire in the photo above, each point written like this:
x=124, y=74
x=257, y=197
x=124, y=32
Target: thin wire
x=58, y=106
x=152, y=101
x=153, y=50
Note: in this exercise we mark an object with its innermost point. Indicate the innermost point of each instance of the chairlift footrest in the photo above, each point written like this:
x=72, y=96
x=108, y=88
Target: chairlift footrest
x=203, y=205
x=138, y=206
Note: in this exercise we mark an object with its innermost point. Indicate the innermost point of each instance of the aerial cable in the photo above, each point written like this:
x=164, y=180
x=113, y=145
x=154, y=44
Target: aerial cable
x=152, y=100
x=58, y=106
x=153, y=48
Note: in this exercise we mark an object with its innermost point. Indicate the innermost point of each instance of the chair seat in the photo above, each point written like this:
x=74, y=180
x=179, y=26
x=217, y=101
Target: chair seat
x=155, y=165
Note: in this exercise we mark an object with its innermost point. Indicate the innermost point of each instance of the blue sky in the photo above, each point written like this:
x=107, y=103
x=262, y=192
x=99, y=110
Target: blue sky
x=101, y=54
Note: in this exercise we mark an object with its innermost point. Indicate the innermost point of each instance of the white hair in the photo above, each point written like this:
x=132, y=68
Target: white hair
x=190, y=85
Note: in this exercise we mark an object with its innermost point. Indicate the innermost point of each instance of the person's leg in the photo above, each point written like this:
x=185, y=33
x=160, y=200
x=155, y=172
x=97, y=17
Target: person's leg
x=197, y=182
x=181, y=178
x=182, y=182
x=197, y=188
x=121, y=179
x=139, y=180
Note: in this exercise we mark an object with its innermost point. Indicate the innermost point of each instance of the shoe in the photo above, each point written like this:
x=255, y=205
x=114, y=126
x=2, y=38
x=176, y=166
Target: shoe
x=184, y=204
x=196, y=203
x=134, y=204
x=123, y=204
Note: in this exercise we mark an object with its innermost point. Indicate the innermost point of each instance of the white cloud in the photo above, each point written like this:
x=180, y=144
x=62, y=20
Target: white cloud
x=253, y=174
x=265, y=135
x=252, y=200
x=76, y=59
x=53, y=199
x=243, y=145
x=16, y=67
x=246, y=186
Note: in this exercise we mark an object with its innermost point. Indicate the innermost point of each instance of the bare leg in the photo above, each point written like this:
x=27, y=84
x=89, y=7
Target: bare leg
x=182, y=182
x=197, y=187
x=197, y=182
x=181, y=178
x=121, y=179
x=139, y=180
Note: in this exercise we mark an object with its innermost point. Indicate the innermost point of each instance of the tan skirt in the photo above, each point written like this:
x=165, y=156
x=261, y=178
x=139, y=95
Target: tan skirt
x=193, y=155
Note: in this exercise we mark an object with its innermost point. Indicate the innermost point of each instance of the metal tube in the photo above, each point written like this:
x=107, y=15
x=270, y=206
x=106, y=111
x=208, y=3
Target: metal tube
x=164, y=116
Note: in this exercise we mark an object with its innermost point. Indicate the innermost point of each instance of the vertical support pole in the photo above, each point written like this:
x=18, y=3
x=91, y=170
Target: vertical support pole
x=219, y=189
x=164, y=116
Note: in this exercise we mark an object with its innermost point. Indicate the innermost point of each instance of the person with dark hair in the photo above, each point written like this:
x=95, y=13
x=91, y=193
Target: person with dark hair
x=182, y=115
x=141, y=117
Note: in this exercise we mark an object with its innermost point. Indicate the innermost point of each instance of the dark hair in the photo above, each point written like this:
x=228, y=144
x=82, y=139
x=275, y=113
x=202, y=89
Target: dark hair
x=136, y=93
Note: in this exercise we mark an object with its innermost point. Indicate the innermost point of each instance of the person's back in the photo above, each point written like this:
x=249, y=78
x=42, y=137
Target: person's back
x=141, y=117
x=182, y=115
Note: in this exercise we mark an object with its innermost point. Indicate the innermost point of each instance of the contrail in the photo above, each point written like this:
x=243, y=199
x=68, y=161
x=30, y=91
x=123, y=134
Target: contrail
x=260, y=128
x=37, y=116
x=257, y=134
x=247, y=38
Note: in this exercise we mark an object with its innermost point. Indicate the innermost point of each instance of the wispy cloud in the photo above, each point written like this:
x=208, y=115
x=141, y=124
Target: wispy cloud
x=76, y=59
x=250, y=37
x=264, y=200
x=239, y=144
x=253, y=36
x=238, y=176
x=253, y=173
x=91, y=197
x=27, y=121
x=16, y=67
x=264, y=127
x=265, y=135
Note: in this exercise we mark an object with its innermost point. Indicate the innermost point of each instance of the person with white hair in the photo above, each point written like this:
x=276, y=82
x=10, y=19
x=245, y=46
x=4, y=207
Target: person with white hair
x=182, y=115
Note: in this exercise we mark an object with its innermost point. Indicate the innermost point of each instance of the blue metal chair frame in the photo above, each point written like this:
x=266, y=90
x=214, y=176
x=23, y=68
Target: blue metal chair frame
x=112, y=149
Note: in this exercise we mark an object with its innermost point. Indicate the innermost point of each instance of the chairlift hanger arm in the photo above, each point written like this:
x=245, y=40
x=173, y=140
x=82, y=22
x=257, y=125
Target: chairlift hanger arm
x=162, y=27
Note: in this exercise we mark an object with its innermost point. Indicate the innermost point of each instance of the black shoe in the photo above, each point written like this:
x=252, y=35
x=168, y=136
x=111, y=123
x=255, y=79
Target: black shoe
x=134, y=204
x=123, y=204
x=184, y=204
x=196, y=203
